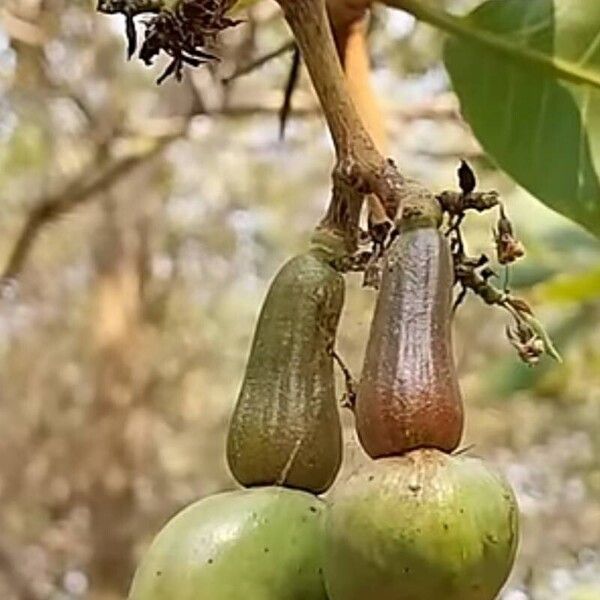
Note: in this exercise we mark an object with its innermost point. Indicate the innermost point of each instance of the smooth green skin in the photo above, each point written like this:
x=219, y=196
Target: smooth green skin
x=425, y=526
x=285, y=428
x=261, y=544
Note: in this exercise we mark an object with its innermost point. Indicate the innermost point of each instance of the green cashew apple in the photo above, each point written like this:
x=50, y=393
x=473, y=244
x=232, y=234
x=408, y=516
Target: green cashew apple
x=259, y=544
x=423, y=526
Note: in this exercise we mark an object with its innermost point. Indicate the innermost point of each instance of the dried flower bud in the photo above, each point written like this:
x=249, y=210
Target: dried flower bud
x=508, y=248
x=529, y=346
x=466, y=178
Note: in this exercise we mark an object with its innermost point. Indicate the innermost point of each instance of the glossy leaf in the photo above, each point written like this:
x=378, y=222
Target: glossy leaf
x=528, y=78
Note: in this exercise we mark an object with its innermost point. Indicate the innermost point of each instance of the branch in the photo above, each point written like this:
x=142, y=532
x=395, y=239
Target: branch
x=24, y=31
x=309, y=22
x=70, y=197
x=414, y=112
x=360, y=168
x=81, y=190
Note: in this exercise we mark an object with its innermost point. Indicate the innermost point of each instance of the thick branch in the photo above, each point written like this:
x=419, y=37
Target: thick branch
x=310, y=24
x=360, y=168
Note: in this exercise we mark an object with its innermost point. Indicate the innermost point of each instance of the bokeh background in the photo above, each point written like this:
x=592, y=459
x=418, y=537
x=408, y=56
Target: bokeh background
x=139, y=229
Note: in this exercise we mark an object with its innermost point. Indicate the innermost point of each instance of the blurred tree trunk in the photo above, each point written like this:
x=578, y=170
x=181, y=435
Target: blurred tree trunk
x=121, y=365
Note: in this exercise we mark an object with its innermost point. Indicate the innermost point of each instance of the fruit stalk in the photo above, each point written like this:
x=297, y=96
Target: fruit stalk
x=360, y=168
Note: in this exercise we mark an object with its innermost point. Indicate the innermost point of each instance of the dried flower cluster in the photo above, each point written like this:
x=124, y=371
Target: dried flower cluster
x=183, y=31
x=472, y=273
x=527, y=336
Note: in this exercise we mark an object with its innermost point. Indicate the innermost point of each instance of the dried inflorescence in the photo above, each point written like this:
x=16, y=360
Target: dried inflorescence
x=529, y=346
x=508, y=248
x=184, y=30
x=473, y=274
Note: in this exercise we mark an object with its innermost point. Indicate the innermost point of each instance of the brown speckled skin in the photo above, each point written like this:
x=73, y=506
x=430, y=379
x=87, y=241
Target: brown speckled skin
x=408, y=395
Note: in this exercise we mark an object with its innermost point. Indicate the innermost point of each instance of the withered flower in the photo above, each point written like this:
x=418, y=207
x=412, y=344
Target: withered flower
x=129, y=9
x=508, y=248
x=184, y=31
x=528, y=344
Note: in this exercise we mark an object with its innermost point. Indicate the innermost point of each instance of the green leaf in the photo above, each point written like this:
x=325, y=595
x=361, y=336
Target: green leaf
x=527, y=74
x=566, y=289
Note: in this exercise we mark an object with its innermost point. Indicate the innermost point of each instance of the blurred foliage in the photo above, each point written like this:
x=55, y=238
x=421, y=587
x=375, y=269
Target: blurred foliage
x=124, y=335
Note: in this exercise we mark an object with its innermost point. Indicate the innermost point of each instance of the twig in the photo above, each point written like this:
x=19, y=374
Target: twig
x=456, y=203
x=529, y=338
x=290, y=88
x=304, y=109
x=260, y=61
x=349, y=397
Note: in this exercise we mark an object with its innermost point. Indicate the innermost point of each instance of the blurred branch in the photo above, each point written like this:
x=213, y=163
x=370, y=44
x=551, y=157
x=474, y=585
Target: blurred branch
x=453, y=154
x=70, y=197
x=170, y=125
x=165, y=131
x=404, y=113
x=22, y=30
x=260, y=61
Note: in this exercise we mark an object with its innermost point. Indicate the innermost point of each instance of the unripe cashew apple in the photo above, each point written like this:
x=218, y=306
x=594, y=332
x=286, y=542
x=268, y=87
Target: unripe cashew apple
x=256, y=544
x=424, y=526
